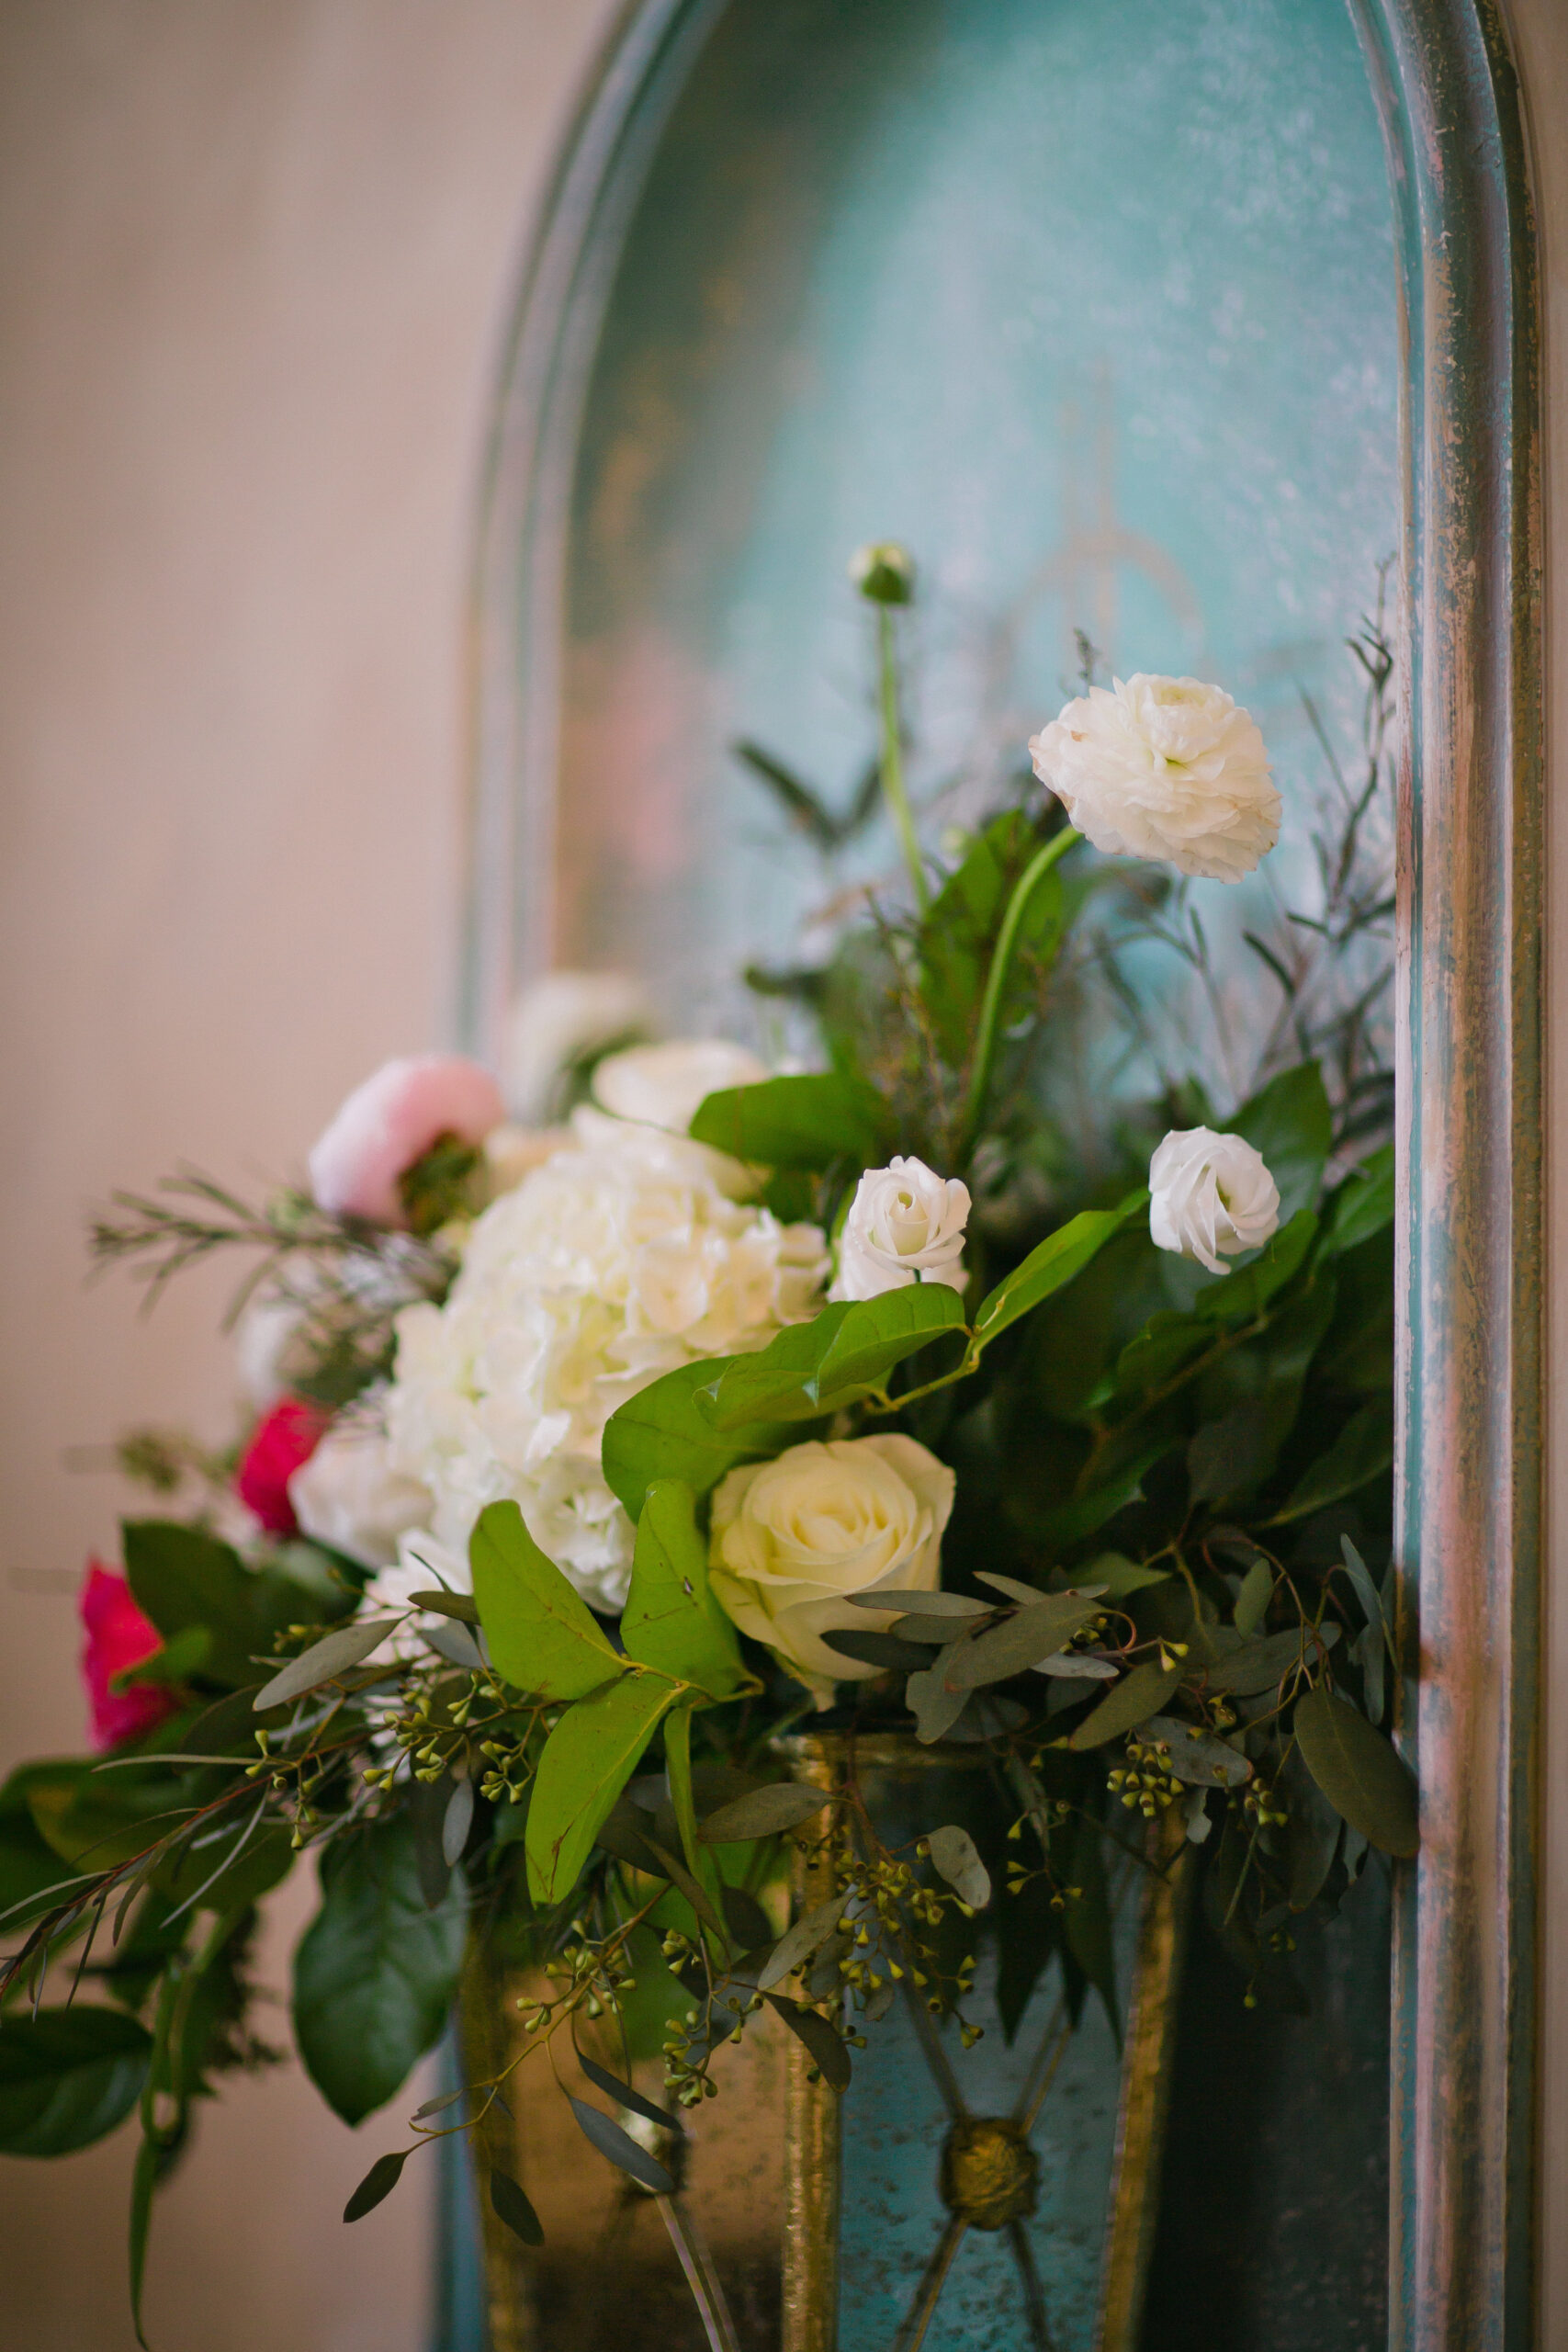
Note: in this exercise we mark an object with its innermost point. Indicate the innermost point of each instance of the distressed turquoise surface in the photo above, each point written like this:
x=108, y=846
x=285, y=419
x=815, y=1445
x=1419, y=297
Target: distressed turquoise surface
x=1093, y=305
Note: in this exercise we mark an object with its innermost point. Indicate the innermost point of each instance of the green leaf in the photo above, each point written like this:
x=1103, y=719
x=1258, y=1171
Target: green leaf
x=934, y=1707
x=1359, y=1771
x=818, y=1367
x=1069, y=1521
x=541, y=1636
x=1019, y=1642
x=233, y=1872
x=1192, y=1755
x=68, y=2077
x=322, y=1662
x=1364, y=1204
x=30, y=1865
x=511, y=2207
x=625, y=2096
x=671, y=1620
x=810, y=1121
x=1252, y=1601
x=379, y=2181
x=762, y=1812
x=1140, y=1694
x=94, y=1820
x=957, y=1858
x=587, y=1760
x=1052, y=1265
x=1260, y=1666
x=883, y=1650
x=621, y=2148
x=959, y=933
x=1121, y=1576
x=182, y=1654
x=798, y=1944
x=665, y=1431
x=1290, y=1121
x=1364, y=1448
x=827, y=2048
x=377, y=1971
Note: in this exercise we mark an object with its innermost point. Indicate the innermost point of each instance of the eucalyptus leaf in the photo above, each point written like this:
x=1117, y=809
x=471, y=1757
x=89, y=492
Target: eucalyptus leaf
x=744, y=1917
x=1142, y=1693
x=762, y=1812
x=1019, y=1642
x=439, y=2106
x=883, y=1650
x=458, y=1643
x=826, y=2047
x=541, y=1636
x=1015, y=1591
x=809, y=1933
x=321, y=1662
x=934, y=1707
x=936, y=1604
x=955, y=1855
x=610, y=2141
x=1359, y=1771
x=1076, y=1666
x=1195, y=1757
x=624, y=2095
x=457, y=1823
x=1119, y=1577
x=1252, y=1601
x=934, y=1632
x=1367, y=1594
x=460, y=1605
x=1260, y=1666
x=378, y=2182
x=511, y=2207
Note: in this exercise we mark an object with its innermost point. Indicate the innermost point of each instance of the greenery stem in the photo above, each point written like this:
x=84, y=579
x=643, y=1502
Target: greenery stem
x=892, y=790
x=1034, y=874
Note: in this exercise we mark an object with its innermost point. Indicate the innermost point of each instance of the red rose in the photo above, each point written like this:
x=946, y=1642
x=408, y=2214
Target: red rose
x=118, y=1635
x=280, y=1443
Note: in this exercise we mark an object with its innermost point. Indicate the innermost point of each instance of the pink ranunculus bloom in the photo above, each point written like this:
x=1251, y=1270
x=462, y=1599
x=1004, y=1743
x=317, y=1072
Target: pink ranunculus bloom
x=282, y=1442
x=116, y=1635
x=392, y=1121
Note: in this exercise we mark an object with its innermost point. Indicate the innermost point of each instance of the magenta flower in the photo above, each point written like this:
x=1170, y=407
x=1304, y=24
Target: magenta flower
x=389, y=1123
x=116, y=1635
x=282, y=1442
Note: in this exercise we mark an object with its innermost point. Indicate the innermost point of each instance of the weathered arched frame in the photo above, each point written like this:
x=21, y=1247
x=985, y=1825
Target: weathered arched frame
x=1472, y=1267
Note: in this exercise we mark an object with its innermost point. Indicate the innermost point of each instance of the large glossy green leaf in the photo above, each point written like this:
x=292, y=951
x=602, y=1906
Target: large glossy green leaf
x=67, y=2077
x=1363, y=1203
x=542, y=1637
x=94, y=1820
x=1053, y=1264
x=587, y=1760
x=1290, y=1124
x=1364, y=1448
x=377, y=1970
x=665, y=1431
x=849, y=1349
x=30, y=1865
x=1359, y=1771
x=671, y=1620
x=809, y=1121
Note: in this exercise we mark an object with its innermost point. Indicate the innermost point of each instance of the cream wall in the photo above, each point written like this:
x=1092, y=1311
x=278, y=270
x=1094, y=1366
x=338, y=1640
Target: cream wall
x=254, y=261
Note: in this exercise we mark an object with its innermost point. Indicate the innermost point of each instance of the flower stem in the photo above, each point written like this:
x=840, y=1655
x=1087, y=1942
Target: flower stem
x=892, y=790
x=1034, y=874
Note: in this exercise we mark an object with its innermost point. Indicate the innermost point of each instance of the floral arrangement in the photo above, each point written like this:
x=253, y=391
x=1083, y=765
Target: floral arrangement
x=982, y=1377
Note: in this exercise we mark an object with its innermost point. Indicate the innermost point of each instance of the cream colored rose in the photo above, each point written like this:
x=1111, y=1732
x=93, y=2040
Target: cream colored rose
x=1164, y=768
x=664, y=1085
x=905, y=1223
x=1209, y=1194
x=793, y=1538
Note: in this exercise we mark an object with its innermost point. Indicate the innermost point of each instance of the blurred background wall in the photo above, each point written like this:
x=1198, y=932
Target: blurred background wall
x=255, y=260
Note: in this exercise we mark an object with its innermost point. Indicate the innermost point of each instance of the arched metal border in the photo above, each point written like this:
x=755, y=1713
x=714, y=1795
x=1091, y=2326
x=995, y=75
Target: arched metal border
x=1472, y=1266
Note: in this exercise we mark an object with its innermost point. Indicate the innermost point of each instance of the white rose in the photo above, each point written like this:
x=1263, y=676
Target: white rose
x=792, y=1538
x=562, y=1018
x=663, y=1085
x=1164, y=768
x=1210, y=1194
x=350, y=1495
x=625, y=1255
x=905, y=1222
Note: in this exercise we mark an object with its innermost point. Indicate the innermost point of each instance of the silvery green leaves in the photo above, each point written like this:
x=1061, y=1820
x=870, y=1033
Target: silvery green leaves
x=954, y=1854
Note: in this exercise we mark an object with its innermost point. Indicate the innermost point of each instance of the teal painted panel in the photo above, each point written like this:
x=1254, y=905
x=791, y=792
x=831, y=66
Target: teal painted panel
x=1093, y=305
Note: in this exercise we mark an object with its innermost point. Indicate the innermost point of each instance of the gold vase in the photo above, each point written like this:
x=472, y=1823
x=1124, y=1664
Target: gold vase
x=745, y=2257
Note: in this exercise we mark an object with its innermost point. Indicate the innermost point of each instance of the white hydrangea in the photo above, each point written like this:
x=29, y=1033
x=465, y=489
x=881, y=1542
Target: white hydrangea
x=627, y=1254
x=1166, y=768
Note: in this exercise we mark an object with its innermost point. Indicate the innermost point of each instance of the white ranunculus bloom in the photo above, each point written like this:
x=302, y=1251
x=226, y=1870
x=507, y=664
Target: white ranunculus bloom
x=349, y=1494
x=625, y=1255
x=1164, y=768
x=1210, y=1194
x=905, y=1223
x=663, y=1086
x=792, y=1538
